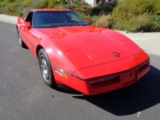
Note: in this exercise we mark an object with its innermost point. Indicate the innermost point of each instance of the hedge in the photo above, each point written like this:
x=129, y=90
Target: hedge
x=137, y=15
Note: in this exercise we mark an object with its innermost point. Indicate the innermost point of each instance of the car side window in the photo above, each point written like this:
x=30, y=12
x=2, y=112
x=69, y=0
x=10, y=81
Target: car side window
x=29, y=17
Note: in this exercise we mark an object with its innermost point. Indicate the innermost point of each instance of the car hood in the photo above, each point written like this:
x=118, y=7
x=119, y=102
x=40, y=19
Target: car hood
x=85, y=46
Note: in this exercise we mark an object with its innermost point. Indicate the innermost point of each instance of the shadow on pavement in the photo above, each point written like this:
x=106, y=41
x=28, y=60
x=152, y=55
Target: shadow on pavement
x=140, y=96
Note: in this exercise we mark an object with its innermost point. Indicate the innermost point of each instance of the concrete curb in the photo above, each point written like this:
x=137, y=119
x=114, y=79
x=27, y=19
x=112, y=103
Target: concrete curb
x=8, y=19
x=149, y=42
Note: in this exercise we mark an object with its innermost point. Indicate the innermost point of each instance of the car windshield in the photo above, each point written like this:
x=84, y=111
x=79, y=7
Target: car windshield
x=47, y=19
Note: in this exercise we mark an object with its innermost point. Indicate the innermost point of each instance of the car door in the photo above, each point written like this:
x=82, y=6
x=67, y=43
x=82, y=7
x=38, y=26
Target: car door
x=25, y=31
x=27, y=34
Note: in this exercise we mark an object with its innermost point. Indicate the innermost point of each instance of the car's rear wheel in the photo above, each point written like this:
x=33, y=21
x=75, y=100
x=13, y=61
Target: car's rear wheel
x=20, y=41
x=46, y=69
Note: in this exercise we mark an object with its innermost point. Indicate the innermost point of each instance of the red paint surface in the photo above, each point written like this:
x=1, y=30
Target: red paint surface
x=86, y=52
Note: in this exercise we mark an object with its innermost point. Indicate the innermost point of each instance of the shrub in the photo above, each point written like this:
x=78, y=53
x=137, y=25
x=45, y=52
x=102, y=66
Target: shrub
x=156, y=23
x=81, y=8
x=23, y=7
x=19, y=7
x=103, y=8
x=103, y=21
x=136, y=15
x=2, y=7
x=143, y=23
x=10, y=9
x=120, y=1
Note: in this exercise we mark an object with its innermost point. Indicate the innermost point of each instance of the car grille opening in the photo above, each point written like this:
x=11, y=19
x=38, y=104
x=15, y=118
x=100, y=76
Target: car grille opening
x=105, y=81
x=143, y=67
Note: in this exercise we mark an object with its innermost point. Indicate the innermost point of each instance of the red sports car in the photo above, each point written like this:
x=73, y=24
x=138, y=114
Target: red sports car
x=89, y=59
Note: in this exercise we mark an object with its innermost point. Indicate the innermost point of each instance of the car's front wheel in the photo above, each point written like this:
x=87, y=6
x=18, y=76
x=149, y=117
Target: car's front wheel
x=46, y=69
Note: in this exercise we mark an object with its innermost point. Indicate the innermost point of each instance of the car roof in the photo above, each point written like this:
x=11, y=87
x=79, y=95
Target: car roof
x=48, y=9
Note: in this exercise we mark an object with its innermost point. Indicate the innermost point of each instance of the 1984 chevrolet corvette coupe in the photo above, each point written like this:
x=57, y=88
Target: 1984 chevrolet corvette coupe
x=89, y=59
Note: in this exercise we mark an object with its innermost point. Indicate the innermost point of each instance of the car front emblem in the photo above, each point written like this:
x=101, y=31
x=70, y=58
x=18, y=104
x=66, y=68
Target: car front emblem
x=115, y=54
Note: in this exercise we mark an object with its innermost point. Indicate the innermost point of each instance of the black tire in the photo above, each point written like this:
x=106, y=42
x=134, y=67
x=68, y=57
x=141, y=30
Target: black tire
x=20, y=41
x=46, y=69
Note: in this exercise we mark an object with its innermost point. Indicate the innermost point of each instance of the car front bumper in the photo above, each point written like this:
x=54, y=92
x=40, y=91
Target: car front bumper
x=117, y=81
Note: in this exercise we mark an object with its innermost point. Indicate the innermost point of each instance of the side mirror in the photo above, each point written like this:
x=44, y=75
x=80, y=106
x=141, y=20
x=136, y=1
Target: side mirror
x=87, y=21
x=27, y=25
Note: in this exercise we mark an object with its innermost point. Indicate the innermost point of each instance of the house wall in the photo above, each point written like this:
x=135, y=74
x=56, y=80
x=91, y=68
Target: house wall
x=95, y=2
x=91, y=2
